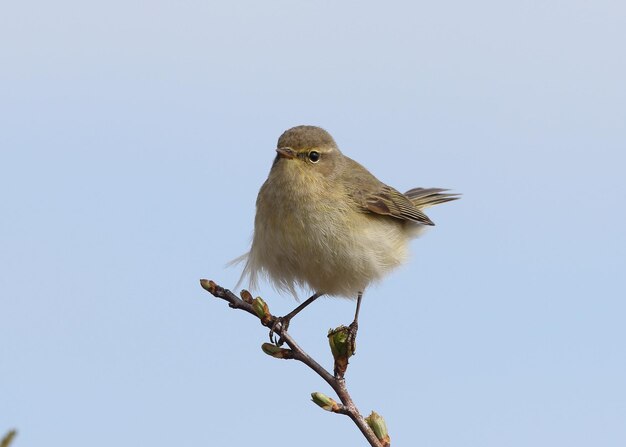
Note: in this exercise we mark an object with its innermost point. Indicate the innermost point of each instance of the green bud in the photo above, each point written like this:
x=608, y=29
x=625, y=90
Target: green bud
x=276, y=352
x=209, y=286
x=261, y=310
x=342, y=348
x=378, y=426
x=338, y=339
x=325, y=402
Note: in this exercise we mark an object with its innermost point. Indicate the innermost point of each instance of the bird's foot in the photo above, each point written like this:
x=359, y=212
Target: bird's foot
x=284, y=325
x=354, y=328
x=284, y=321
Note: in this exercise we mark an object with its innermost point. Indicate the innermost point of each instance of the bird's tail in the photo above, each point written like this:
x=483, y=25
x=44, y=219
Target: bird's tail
x=426, y=197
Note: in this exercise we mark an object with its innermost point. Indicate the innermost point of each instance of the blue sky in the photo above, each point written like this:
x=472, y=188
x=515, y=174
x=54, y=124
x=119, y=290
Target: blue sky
x=134, y=137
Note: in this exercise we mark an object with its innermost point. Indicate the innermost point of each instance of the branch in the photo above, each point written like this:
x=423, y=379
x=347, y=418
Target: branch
x=8, y=438
x=338, y=384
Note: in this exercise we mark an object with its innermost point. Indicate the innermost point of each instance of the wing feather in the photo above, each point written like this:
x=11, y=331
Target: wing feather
x=390, y=202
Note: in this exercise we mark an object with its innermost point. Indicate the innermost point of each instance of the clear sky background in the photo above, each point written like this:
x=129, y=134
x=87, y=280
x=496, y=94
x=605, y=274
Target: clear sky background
x=134, y=137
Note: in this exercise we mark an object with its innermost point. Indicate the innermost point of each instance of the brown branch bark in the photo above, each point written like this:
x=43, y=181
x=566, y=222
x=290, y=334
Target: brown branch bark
x=337, y=384
x=8, y=438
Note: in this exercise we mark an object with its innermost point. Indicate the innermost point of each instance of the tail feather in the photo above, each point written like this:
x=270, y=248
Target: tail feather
x=246, y=269
x=426, y=197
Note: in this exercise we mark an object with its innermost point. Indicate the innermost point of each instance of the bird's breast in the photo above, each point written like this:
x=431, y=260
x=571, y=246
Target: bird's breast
x=311, y=234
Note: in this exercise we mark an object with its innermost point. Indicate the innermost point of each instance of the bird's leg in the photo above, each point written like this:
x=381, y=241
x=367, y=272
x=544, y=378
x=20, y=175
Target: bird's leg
x=284, y=321
x=354, y=326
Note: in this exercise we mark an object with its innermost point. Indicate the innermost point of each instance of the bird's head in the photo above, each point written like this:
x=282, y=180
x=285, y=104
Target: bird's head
x=307, y=152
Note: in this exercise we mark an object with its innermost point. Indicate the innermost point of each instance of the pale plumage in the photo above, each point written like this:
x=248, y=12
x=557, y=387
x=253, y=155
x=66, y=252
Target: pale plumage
x=325, y=223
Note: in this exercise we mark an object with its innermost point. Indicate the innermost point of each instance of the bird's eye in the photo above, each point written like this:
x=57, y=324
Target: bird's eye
x=314, y=156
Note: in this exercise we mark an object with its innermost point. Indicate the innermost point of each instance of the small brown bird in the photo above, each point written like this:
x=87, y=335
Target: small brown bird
x=325, y=223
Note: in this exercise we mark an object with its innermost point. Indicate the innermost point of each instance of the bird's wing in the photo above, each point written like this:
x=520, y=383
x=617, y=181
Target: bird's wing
x=373, y=196
x=390, y=202
x=426, y=197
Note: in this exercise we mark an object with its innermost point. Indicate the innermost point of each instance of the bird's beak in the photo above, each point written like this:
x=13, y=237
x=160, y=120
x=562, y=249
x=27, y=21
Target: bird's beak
x=286, y=152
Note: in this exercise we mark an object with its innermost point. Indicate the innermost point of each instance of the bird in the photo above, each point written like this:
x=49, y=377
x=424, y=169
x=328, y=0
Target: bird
x=325, y=223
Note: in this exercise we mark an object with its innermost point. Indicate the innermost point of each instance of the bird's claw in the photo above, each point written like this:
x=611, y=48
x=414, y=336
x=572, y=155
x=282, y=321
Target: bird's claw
x=353, y=328
x=284, y=325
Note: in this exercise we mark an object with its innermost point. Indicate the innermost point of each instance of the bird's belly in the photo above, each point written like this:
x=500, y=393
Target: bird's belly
x=337, y=252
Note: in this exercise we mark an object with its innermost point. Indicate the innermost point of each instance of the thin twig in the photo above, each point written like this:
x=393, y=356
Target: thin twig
x=337, y=384
x=8, y=438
